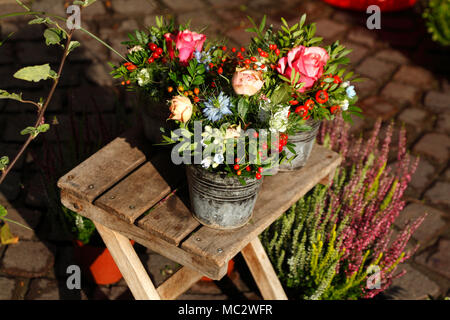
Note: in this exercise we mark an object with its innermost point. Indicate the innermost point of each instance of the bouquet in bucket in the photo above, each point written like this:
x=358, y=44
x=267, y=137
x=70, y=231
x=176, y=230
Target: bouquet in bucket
x=303, y=80
x=210, y=88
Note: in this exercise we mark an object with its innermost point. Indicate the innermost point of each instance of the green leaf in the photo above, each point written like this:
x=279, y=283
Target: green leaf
x=6, y=237
x=242, y=108
x=73, y=45
x=43, y=127
x=3, y=211
x=262, y=24
x=4, y=161
x=30, y=130
x=53, y=36
x=35, y=73
x=13, y=96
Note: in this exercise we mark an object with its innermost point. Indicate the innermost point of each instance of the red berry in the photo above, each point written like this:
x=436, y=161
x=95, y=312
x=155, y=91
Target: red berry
x=277, y=52
x=152, y=46
x=259, y=50
x=224, y=48
x=253, y=59
x=248, y=168
x=258, y=176
x=321, y=96
x=239, y=172
x=260, y=169
x=247, y=61
x=159, y=51
x=236, y=167
x=155, y=55
x=233, y=49
x=242, y=49
x=150, y=60
x=334, y=109
x=263, y=66
x=237, y=160
x=293, y=102
x=128, y=81
x=122, y=83
x=309, y=104
x=220, y=70
x=196, y=99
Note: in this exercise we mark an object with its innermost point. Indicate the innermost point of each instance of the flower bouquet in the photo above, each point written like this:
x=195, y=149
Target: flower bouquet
x=304, y=81
x=213, y=97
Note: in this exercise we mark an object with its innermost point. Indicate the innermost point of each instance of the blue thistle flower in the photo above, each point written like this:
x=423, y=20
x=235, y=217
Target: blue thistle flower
x=217, y=107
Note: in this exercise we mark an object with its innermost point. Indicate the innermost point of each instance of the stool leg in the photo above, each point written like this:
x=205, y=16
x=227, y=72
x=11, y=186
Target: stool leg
x=129, y=264
x=265, y=277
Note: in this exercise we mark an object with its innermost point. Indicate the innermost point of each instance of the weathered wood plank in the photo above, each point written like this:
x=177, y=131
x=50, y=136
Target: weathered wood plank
x=277, y=195
x=104, y=168
x=265, y=277
x=170, y=220
x=129, y=264
x=136, y=194
x=178, y=284
x=199, y=263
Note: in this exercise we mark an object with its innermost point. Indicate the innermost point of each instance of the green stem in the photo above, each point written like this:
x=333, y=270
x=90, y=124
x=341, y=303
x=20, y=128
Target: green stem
x=18, y=223
x=102, y=42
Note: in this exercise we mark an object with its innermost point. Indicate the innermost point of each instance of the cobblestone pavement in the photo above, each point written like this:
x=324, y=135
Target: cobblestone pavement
x=405, y=81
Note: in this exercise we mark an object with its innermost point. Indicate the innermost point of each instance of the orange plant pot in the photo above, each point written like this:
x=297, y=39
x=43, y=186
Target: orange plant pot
x=97, y=263
x=361, y=5
x=229, y=271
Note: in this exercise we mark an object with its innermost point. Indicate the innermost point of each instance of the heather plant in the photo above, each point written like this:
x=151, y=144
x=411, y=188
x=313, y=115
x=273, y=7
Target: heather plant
x=328, y=245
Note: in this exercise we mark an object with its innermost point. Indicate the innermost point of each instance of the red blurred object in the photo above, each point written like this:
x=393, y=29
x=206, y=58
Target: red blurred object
x=361, y=5
x=97, y=263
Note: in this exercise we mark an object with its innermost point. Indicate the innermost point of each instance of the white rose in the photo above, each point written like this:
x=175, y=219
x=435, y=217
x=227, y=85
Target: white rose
x=143, y=77
x=279, y=120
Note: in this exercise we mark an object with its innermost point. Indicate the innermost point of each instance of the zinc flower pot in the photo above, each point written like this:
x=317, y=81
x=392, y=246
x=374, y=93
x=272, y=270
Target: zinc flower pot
x=97, y=263
x=219, y=201
x=361, y=5
x=304, y=142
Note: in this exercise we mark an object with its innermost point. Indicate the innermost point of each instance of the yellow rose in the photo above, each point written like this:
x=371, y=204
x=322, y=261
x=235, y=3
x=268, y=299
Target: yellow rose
x=181, y=108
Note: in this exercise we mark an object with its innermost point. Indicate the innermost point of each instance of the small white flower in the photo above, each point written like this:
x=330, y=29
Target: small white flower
x=206, y=162
x=279, y=120
x=135, y=49
x=218, y=158
x=345, y=105
x=143, y=77
x=345, y=84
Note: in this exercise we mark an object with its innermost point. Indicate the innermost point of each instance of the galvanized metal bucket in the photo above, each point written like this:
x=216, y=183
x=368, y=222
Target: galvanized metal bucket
x=154, y=116
x=219, y=201
x=304, y=142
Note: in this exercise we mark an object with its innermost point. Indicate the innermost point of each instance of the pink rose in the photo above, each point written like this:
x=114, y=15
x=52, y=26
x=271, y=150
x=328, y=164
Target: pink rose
x=309, y=62
x=247, y=82
x=186, y=43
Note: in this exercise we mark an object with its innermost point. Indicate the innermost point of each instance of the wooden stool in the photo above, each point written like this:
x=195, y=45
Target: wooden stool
x=133, y=193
